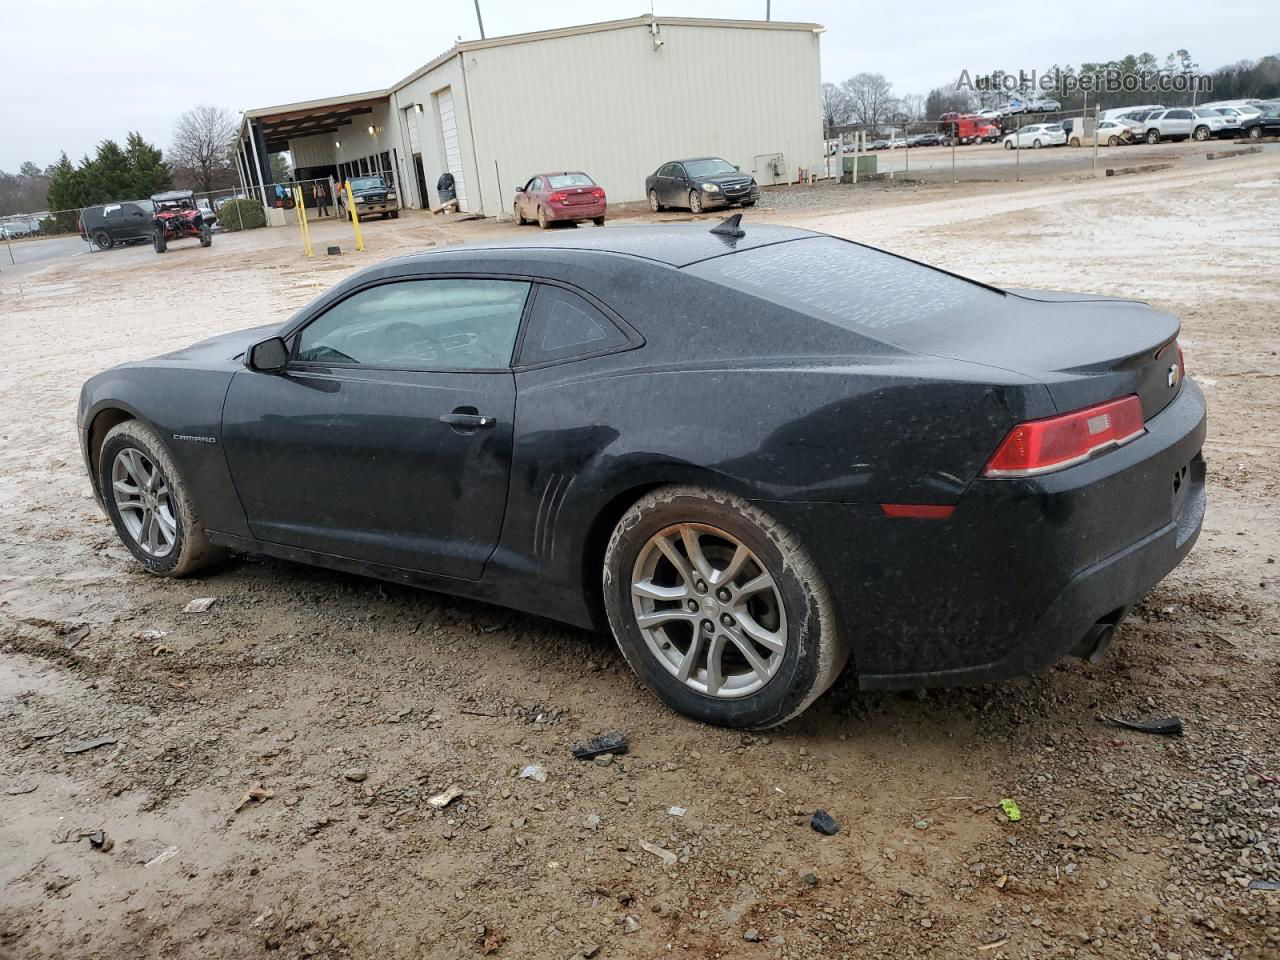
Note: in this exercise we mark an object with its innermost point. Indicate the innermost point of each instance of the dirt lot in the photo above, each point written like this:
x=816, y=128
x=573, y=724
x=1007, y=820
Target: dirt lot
x=351, y=702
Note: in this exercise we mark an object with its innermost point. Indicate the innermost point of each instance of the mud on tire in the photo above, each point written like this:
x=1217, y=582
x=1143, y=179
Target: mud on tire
x=815, y=650
x=191, y=550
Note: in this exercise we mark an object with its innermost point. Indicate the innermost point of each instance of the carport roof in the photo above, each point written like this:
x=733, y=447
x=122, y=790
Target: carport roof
x=308, y=117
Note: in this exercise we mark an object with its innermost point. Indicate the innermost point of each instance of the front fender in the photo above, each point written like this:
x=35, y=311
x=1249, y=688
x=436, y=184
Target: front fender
x=183, y=405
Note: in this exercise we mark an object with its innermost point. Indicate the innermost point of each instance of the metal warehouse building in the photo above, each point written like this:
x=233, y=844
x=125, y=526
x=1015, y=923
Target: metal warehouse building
x=614, y=99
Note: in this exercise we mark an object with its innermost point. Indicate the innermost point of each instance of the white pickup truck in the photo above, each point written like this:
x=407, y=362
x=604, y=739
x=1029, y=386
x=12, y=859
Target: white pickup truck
x=1179, y=123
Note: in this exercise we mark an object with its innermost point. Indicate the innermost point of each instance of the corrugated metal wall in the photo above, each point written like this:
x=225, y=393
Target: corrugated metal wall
x=605, y=102
x=610, y=104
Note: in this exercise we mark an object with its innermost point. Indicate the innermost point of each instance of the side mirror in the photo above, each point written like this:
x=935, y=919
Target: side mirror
x=520, y=189
x=736, y=167
x=267, y=356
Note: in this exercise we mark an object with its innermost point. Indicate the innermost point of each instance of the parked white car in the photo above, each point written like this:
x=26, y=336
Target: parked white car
x=990, y=114
x=1037, y=135
x=1046, y=105
x=1236, y=116
x=1198, y=123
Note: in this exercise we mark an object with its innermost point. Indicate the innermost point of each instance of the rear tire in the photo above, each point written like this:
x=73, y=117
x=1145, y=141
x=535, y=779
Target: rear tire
x=654, y=204
x=543, y=222
x=103, y=240
x=598, y=221
x=1035, y=144
x=775, y=648
x=1075, y=142
x=132, y=452
x=1255, y=133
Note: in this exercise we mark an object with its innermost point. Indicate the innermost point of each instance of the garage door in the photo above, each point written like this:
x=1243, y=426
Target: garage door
x=452, y=152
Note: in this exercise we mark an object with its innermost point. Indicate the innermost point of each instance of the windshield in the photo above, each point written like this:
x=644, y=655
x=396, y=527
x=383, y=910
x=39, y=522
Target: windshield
x=367, y=183
x=559, y=181
x=708, y=168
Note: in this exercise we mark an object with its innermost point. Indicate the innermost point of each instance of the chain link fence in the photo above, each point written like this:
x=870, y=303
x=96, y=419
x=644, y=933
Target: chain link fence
x=53, y=234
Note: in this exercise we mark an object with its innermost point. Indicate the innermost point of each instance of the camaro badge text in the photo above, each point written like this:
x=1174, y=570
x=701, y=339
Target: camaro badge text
x=184, y=436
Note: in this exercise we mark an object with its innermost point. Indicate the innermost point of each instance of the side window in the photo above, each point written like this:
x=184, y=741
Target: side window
x=1179, y=114
x=445, y=324
x=537, y=183
x=669, y=170
x=563, y=325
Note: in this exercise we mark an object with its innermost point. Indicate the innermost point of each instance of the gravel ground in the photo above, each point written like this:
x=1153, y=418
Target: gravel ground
x=321, y=765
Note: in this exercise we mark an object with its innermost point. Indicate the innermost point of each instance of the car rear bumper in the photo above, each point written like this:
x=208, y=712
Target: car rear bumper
x=576, y=211
x=1024, y=572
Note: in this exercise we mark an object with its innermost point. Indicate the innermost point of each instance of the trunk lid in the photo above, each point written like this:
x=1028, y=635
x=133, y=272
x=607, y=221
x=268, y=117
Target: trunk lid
x=1085, y=349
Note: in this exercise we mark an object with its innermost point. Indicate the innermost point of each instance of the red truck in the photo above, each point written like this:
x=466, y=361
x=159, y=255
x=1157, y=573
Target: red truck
x=970, y=128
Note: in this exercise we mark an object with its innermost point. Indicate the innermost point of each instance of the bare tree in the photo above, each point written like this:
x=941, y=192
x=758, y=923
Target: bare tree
x=836, y=109
x=912, y=107
x=202, y=143
x=871, y=98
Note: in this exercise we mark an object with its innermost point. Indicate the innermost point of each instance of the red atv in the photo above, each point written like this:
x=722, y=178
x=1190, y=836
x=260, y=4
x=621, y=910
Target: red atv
x=177, y=217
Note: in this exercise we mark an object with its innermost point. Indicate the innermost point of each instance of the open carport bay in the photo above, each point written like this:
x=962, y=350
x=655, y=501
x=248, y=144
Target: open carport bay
x=351, y=703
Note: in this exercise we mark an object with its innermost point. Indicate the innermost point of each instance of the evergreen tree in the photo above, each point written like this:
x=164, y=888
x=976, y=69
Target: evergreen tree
x=108, y=177
x=149, y=172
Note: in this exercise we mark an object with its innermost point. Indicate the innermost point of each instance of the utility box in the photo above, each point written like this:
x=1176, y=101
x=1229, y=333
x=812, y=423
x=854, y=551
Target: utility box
x=866, y=166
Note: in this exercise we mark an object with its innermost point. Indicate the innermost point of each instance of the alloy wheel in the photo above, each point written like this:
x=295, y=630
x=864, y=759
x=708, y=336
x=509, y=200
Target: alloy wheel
x=142, y=499
x=709, y=610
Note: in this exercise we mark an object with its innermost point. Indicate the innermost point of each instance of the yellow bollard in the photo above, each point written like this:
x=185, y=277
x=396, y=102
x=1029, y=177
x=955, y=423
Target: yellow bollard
x=355, y=216
x=302, y=220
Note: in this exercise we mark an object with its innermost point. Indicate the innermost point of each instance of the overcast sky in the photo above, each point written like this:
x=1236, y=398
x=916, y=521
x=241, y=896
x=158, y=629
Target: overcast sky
x=78, y=71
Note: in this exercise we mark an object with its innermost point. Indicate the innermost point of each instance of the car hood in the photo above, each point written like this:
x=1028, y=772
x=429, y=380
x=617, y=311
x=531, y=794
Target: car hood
x=722, y=178
x=225, y=346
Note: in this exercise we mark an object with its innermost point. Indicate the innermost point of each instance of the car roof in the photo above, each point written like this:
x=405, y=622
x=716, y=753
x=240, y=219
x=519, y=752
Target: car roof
x=561, y=173
x=173, y=195
x=676, y=244
x=696, y=159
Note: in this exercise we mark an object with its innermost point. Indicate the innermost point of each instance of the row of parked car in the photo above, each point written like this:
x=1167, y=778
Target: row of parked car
x=1154, y=123
x=696, y=184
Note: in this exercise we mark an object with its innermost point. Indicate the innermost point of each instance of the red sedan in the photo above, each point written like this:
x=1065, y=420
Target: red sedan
x=559, y=197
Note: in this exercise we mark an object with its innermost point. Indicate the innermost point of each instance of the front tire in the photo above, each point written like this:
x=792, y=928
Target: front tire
x=1201, y=133
x=149, y=503
x=695, y=201
x=719, y=610
x=518, y=216
x=1153, y=136
x=1008, y=144
x=1255, y=133
x=1035, y=144
x=1113, y=142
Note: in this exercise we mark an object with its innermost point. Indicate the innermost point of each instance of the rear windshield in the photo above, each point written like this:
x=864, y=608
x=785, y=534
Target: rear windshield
x=855, y=287
x=561, y=180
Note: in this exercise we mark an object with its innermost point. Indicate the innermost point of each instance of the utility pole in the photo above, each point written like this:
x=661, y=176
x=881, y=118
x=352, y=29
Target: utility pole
x=768, y=4
x=479, y=19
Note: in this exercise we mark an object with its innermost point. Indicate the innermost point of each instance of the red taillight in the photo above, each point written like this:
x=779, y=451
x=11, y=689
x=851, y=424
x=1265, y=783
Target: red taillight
x=598, y=193
x=1039, y=446
x=557, y=198
x=919, y=511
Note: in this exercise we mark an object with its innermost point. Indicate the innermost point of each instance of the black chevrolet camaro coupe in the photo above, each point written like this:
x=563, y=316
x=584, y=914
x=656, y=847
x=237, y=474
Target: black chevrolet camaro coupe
x=755, y=456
